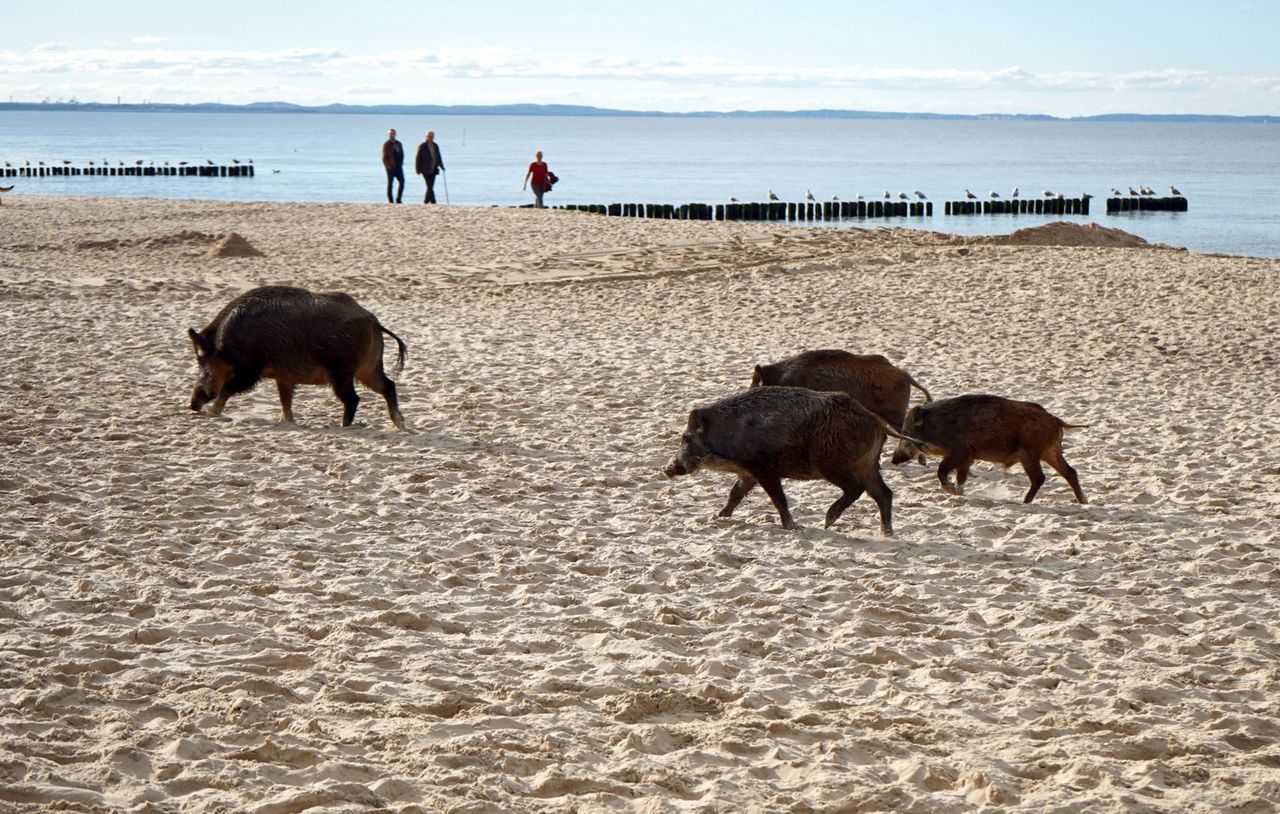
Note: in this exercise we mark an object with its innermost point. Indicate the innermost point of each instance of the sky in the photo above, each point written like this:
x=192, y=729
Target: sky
x=1061, y=59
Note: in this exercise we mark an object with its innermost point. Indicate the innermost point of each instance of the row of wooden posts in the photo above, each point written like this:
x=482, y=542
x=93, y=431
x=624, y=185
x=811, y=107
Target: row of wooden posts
x=835, y=210
x=189, y=171
x=851, y=210
x=773, y=210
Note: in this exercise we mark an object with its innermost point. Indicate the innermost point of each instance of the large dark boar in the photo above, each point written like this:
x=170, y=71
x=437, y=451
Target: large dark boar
x=988, y=428
x=295, y=337
x=873, y=380
x=766, y=434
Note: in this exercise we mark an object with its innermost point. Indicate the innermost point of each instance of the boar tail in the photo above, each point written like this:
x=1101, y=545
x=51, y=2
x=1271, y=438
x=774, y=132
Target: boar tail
x=404, y=349
x=917, y=385
x=1067, y=426
x=888, y=428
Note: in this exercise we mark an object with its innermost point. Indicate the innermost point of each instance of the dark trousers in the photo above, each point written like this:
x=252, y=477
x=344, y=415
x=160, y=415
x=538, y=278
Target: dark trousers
x=430, y=178
x=395, y=174
x=538, y=189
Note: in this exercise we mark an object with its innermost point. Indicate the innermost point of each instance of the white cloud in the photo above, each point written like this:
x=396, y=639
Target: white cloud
x=307, y=76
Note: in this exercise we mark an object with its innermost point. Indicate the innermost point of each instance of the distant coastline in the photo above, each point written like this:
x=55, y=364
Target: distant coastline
x=584, y=110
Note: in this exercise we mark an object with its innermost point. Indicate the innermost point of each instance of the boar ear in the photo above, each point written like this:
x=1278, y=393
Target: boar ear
x=197, y=340
x=757, y=376
x=912, y=419
x=697, y=421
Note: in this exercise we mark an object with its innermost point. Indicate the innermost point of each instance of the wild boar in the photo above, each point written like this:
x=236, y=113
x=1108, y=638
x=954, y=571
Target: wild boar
x=988, y=428
x=769, y=433
x=296, y=337
x=871, y=379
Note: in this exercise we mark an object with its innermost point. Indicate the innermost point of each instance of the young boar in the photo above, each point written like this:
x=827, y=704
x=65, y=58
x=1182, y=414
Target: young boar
x=766, y=434
x=877, y=385
x=988, y=428
x=295, y=337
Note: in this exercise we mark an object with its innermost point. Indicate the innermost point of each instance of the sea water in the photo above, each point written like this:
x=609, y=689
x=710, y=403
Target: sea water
x=1229, y=172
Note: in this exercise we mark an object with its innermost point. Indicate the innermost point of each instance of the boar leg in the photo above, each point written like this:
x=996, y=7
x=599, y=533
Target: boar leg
x=961, y=468
x=285, y=389
x=744, y=484
x=383, y=386
x=345, y=389
x=1064, y=469
x=1031, y=465
x=883, y=496
x=852, y=491
x=772, y=484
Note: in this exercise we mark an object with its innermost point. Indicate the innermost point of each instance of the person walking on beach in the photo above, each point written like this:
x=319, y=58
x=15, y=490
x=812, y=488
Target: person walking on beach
x=427, y=164
x=538, y=173
x=393, y=160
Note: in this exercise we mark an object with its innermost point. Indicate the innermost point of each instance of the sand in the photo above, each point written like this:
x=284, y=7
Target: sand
x=509, y=609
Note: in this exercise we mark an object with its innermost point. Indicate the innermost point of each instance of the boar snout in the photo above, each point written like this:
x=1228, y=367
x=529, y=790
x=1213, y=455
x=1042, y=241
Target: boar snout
x=199, y=398
x=673, y=468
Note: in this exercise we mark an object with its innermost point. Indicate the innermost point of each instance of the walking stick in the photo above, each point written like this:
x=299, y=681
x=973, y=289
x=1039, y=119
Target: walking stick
x=445, y=176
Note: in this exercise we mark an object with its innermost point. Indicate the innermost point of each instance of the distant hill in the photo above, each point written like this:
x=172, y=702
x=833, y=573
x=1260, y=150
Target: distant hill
x=585, y=110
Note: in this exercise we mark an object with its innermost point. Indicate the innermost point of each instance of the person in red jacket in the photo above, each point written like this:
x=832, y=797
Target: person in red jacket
x=538, y=173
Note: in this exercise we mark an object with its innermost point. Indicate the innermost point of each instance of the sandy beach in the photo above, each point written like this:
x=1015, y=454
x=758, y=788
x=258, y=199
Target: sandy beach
x=508, y=608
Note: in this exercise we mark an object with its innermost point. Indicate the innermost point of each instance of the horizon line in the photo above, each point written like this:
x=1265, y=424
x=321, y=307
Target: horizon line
x=560, y=109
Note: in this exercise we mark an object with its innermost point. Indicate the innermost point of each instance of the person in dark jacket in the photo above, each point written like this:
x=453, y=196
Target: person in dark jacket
x=427, y=164
x=393, y=160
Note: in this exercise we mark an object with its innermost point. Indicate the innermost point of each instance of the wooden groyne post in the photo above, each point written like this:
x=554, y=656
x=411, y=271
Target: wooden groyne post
x=784, y=211
x=1020, y=206
x=1146, y=204
x=135, y=170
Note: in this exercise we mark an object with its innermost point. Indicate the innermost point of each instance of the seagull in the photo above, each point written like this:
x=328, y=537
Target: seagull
x=1147, y=191
x=887, y=196
x=1014, y=194
x=1174, y=191
x=210, y=160
x=182, y=163
x=808, y=196
x=235, y=161
x=835, y=197
x=772, y=197
x=903, y=196
x=859, y=196
x=1085, y=196
x=138, y=162
x=1132, y=191
x=921, y=195
x=1115, y=192
x=66, y=161
x=970, y=195
x=1047, y=193
x=1058, y=196
x=995, y=194
x=731, y=198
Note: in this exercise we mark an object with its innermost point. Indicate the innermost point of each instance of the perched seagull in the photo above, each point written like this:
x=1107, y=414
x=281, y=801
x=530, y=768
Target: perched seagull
x=859, y=196
x=66, y=161
x=182, y=163
x=235, y=161
x=772, y=197
x=138, y=162
x=731, y=198
x=903, y=196
x=995, y=194
x=921, y=195
x=835, y=197
x=210, y=160
x=1115, y=192
x=1147, y=191
x=1174, y=191
x=1132, y=191
x=1014, y=194
x=1058, y=196
x=1086, y=196
x=970, y=195
x=1047, y=193
x=808, y=196
x=887, y=196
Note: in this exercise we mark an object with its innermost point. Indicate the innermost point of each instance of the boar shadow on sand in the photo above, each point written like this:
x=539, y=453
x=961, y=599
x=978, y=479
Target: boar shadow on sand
x=296, y=337
x=769, y=433
x=972, y=428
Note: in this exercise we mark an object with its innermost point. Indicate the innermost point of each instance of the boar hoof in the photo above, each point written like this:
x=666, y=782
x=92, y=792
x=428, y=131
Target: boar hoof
x=952, y=489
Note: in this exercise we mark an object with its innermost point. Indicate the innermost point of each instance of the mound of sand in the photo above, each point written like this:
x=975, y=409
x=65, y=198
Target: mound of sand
x=233, y=245
x=1062, y=233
